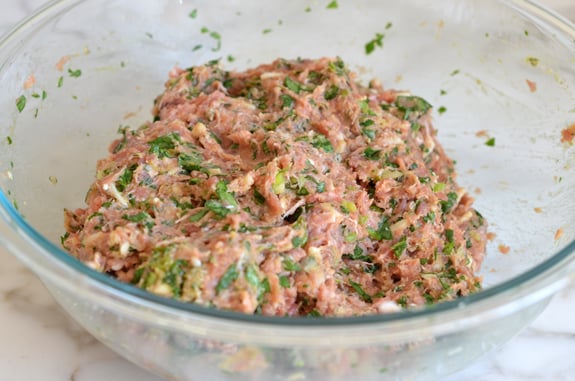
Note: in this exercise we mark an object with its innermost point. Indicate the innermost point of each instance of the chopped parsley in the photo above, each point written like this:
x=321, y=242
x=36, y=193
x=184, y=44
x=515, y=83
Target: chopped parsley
x=196, y=217
x=447, y=205
x=287, y=101
x=125, y=178
x=294, y=86
x=320, y=141
x=490, y=142
x=75, y=73
x=399, y=247
x=284, y=281
x=290, y=265
x=228, y=278
x=332, y=5
x=357, y=255
x=331, y=92
x=218, y=208
x=193, y=14
x=383, y=231
x=226, y=196
x=429, y=218
x=412, y=105
x=163, y=145
x=360, y=291
x=377, y=41
x=21, y=103
x=215, y=35
x=372, y=154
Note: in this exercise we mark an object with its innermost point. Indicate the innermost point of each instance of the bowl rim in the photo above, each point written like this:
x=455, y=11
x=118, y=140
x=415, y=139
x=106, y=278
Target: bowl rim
x=544, y=273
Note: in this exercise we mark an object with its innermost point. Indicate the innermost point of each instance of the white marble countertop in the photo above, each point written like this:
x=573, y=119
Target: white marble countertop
x=40, y=343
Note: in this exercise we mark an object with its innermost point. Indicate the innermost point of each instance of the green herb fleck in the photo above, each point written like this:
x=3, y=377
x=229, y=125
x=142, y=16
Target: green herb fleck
x=228, y=278
x=447, y=205
x=9, y=140
x=332, y=5
x=75, y=73
x=290, y=265
x=21, y=103
x=331, y=92
x=454, y=72
x=372, y=154
x=284, y=281
x=218, y=208
x=348, y=207
x=251, y=275
x=383, y=232
x=294, y=86
x=196, y=217
x=162, y=146
x=442, y=92
x=438, y=187
x=412, y=104
x=441, y=110
x=358, y=255
x=193, y=14
x=429, y=217
x=226, y=196
x=361, y=292
x=399, y=247
x=320, y=141
x=125, y=178
x=266, y=31
x=388, y=25
x=287, y=101
x=490, y=142
x=60, y=81
x=259, y=198
x=377, y=41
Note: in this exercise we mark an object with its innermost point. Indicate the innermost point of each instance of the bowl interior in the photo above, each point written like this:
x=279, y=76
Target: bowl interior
x=500, y=72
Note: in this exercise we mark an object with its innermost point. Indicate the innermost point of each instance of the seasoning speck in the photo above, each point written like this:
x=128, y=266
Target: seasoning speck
x=503, y=249
x=30, y=81
x=532, y=85
x=567, y=134
x=53, y=179
x=62, y=62
x=558, y=234
x=538, y=209
x=533, y=61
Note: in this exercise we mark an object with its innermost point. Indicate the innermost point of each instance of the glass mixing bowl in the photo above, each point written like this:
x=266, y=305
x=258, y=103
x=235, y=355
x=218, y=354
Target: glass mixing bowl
x=503, y=71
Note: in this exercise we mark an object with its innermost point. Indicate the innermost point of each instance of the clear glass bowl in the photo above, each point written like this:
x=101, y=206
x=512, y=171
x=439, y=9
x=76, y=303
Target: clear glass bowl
x=505, y=68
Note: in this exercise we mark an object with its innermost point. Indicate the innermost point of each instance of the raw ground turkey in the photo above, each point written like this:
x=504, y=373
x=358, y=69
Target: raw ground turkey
x=287, y=189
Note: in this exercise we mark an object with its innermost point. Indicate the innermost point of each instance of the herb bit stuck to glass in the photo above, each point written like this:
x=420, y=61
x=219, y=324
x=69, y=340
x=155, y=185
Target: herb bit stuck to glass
x=288, y=189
